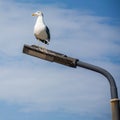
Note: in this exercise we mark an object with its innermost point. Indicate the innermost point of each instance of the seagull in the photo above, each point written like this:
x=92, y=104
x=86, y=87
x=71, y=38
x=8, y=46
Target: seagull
x=41, y=31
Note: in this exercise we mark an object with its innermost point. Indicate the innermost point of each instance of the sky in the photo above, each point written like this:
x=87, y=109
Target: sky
x=31, y=88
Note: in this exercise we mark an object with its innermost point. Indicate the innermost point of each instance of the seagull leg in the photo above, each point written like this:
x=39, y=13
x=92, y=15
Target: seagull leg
x=44, y=49
x=38, y=42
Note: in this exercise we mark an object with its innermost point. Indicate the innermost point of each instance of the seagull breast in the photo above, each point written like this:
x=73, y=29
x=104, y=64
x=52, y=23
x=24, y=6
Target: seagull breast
x=40, y=31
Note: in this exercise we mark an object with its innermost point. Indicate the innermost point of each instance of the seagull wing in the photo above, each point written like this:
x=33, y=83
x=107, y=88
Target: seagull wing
x=48, y=33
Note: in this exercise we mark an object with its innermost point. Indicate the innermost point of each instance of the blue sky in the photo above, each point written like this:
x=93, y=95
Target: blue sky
x=31, y=88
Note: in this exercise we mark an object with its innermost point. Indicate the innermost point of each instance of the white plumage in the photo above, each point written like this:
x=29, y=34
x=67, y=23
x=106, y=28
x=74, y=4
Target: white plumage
x=41, y=31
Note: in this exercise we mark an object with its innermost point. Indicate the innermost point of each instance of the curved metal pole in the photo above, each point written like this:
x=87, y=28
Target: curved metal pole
x=114, y=94
x=102, y=71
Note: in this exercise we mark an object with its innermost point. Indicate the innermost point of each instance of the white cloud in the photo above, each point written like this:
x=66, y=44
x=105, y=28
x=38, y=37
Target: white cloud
x=39, y=85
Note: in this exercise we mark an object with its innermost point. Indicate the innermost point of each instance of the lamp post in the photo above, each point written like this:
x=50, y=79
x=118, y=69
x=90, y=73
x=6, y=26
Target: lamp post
x=53, y=56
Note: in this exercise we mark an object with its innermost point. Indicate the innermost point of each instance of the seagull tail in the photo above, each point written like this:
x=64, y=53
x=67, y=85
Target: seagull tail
x=44, y=41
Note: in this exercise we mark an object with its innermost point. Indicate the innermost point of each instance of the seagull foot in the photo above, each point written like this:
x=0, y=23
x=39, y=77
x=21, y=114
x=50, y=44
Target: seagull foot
x=43, y=49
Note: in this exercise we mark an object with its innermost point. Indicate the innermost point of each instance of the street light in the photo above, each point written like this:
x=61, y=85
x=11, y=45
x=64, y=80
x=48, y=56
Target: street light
x=53, y=56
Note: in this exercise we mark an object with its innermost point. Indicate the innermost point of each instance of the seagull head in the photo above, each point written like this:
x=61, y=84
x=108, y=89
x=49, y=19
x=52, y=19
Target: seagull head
x=38, y=13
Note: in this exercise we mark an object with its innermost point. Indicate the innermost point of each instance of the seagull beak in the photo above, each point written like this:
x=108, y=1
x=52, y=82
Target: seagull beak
x=33, y=14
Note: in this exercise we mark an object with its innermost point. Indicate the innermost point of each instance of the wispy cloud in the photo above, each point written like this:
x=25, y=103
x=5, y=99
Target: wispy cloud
x=39, y=85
